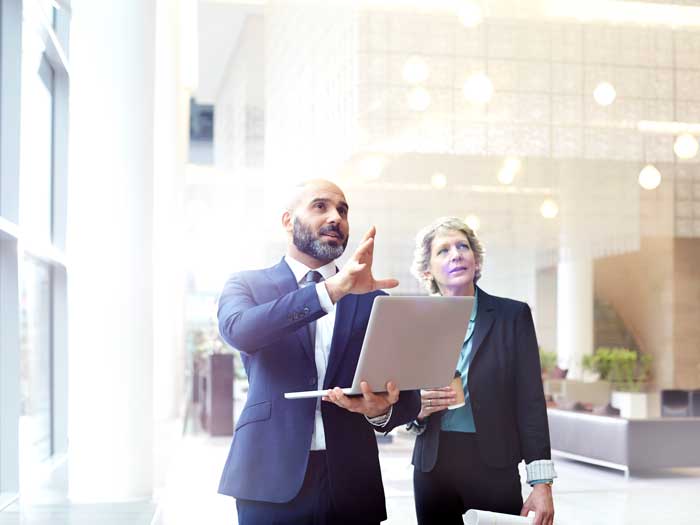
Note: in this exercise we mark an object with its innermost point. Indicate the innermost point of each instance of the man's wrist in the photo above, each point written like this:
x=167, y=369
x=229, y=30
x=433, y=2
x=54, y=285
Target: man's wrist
x=380, y=420
x=335, y=291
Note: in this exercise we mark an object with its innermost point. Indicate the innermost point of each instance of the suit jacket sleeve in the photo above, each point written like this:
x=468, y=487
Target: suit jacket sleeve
x=250, y=325
x=403, y=411
x=531, y=409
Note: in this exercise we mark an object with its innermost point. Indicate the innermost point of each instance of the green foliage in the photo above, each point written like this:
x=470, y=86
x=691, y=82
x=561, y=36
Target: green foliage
x=548, y=360
x=626, y=369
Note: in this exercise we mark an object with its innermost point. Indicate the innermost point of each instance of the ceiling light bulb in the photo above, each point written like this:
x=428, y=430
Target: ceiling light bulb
x=415, y=70
x=506, y=176
x=469, y=13
x=418, y=99
x=438, y=180
x=549, y=209
x=512, y=164
x=685, y=146
x=649, y=177
x=478, y=89
x=473, y=222
x=604, y=93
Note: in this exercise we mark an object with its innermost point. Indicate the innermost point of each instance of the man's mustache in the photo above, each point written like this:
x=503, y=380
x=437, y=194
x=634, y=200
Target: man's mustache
x=331, y=228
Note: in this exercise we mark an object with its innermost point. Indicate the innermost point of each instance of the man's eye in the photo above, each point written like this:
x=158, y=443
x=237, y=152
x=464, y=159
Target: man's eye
x=464, y=246
x=320, y=205
x=441, y=251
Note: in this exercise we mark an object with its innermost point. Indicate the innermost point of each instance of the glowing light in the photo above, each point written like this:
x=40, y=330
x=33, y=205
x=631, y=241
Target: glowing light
x=604, y=93
x=511, y=167
x=685, y=146
x=505, y=176
x=415, y=70
x=549, y=209
x=478, y=89
x=438, y=180
x=473, y=222
x=418, y=99
x=649, y=177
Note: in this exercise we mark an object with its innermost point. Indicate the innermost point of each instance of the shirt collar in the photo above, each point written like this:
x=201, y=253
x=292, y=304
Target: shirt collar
x=300, y=270
x=476, y=305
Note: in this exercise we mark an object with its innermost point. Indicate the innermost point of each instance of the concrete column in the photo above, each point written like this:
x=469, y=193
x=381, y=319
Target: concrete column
x=109, y=248
x=574, y=313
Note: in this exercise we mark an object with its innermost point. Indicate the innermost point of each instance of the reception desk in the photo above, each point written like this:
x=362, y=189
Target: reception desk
x=629, y=445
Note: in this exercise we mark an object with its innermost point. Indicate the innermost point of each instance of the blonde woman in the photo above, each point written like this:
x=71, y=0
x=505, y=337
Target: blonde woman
x=468, y=458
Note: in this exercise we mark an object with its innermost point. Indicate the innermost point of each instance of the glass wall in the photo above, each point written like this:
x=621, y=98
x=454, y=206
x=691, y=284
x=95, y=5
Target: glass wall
x=36, y=145
x=33, y=173
x=35, y=424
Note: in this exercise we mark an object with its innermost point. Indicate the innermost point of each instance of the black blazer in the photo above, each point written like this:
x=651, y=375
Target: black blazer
x=505, y=388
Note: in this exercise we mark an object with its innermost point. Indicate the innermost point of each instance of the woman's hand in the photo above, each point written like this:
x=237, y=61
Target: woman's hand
x=435, y=400
x=540, y=501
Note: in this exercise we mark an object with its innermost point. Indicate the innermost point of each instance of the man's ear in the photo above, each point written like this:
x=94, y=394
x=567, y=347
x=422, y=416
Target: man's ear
x=288, y=221
x=427, y=275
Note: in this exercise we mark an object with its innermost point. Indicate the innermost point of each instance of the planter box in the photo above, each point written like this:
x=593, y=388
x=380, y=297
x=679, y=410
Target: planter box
x=636, y=405
x=596, y=393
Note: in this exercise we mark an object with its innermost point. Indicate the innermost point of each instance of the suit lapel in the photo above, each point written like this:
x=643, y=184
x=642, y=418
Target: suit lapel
x=283, y=278
x=485, y=316
x=344, y=319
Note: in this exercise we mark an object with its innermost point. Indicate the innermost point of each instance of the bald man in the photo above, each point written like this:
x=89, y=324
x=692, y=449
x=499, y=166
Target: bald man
x=299, y=325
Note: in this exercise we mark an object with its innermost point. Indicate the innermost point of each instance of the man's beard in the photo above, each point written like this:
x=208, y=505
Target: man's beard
x=310, y=244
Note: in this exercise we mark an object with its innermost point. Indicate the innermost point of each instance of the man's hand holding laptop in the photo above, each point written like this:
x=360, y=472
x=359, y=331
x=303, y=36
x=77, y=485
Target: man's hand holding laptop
x=369, y=403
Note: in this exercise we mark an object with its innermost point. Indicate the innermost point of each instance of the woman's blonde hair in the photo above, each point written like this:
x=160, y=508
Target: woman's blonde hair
x=424, y=241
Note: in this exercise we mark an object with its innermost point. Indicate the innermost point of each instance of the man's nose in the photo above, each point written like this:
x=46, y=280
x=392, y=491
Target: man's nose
x=333, y=215
x=455, y=254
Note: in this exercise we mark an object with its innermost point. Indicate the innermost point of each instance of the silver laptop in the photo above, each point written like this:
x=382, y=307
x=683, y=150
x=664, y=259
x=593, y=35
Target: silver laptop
x=413, y=342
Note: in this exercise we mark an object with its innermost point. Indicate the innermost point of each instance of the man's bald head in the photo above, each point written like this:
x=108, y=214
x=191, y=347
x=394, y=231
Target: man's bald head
x=305, y=190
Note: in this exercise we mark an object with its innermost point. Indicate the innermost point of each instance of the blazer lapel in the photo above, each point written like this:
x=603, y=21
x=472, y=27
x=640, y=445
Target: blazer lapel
x=342, y=328
x=283, y=278
x=485, y=316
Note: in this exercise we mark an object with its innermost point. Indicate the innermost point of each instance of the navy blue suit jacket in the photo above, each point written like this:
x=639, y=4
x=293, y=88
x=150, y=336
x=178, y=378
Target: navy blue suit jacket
x=264, y=314
x=505, y=387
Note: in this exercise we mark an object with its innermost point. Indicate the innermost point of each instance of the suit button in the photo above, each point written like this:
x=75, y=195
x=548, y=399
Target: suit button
x=307, y=309
x=312, y=381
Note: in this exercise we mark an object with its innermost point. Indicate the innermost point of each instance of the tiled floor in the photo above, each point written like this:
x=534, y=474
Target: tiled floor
x=584, y=495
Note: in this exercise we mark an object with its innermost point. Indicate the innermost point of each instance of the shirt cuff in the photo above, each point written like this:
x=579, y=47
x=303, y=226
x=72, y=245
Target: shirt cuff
x=323, y=297
x=382, y=420
x=540, y=471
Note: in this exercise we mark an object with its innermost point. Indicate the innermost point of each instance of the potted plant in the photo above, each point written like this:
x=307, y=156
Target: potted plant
x=548, y=360
x=628, y=371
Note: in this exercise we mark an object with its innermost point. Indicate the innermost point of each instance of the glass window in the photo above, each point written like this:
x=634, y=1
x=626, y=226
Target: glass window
x=36, y=145
x=35, y=361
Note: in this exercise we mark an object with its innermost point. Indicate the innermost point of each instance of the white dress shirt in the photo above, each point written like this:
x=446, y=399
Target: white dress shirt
x=324, y=337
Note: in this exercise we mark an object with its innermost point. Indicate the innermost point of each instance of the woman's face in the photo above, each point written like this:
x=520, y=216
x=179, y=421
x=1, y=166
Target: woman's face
x=452, y=263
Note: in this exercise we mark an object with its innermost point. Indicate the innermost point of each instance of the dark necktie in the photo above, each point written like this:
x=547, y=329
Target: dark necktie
x=312, y=277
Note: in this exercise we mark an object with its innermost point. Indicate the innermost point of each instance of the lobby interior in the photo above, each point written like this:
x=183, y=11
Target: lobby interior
x=146, y=148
